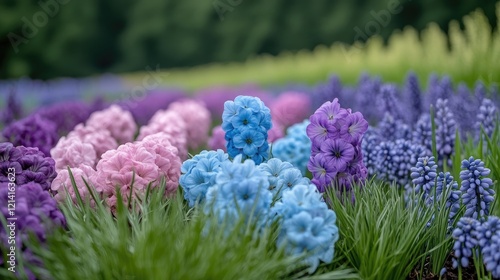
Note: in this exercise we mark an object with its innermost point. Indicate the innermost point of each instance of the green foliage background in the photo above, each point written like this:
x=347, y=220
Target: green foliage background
x=89, y=37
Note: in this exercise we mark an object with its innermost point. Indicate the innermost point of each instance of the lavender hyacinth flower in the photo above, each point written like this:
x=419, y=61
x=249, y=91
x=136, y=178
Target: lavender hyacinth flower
x=487, y=118
x=336, y=135
x=445, y=132
x=465, y=241
x=476, y=188
x=33, y=131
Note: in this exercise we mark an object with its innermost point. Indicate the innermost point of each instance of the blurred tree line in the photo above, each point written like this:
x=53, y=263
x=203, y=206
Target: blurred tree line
x=51, y=38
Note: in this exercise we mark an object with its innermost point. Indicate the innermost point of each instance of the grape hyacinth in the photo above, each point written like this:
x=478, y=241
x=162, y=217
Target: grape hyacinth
x=422, y=133
x=487, y=118
x=241, y=191
x=326, y=91
x=488, y=236
x=368, y=92
x=369, y=145
x=13, y=109
x=445, y=184
x=413, y=97
x=465, y=241
x=477, y=190
x=389, y=102
x=445, y=132
x=246, y=121
x=198, y=174
x=32, y=131
x=336, y=135
x=295, y=147
x=423, y=176
x=308, y=226
x=391, y=129
x=30, y=165
x=395, y=160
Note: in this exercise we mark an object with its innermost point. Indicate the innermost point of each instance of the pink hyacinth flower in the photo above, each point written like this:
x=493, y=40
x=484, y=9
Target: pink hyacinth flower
x=117, y=121
x=276, y=132
x=101, y=140
x=171, y=123
x=63, y=187
x=290, y=108
x=146, y=161
x=217, y=140
x=197, y=119
x=72, y=152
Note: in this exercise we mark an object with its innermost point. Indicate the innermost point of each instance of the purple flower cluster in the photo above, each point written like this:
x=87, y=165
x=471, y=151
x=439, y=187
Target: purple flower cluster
x=445, y=131
x=336, y=135
x=472, y=236
x=13, y=110
x=487, y=118
x=477, y=189
x=30, y=165
x=36, y=215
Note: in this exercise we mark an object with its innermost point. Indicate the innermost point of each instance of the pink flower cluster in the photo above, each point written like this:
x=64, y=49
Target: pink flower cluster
x=171, y=124
x=63, y=187
x=197, y=119
x=217, y=140
x=120, y=123
x=146, y=161
x=290, y=108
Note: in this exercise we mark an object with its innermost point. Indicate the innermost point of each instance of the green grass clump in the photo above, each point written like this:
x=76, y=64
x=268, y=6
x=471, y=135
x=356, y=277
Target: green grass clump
x=467, y=54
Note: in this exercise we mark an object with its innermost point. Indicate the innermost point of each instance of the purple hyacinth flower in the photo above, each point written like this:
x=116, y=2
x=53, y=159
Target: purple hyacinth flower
x=338, y=152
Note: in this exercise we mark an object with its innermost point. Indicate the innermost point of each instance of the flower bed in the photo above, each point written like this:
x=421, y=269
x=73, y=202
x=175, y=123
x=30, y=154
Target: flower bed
x=372, y=181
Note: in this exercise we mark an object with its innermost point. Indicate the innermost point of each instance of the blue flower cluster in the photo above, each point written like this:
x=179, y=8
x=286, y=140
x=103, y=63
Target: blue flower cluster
x=413, y=97
x=295, y=147
x=388, y=101
x=488, y=237
x=423, y=176
x=395, y=159
x=392, y=129
x=198, y=174
x=246, y=121
x=465, y=241
x=487, y=117
x=473, y=236
x=448, y=186
x=369, y=151
x=282, y=176
x=445, y=131
x=422, y=133
x=241, y=190
x=477, y=191
x=307, y=225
